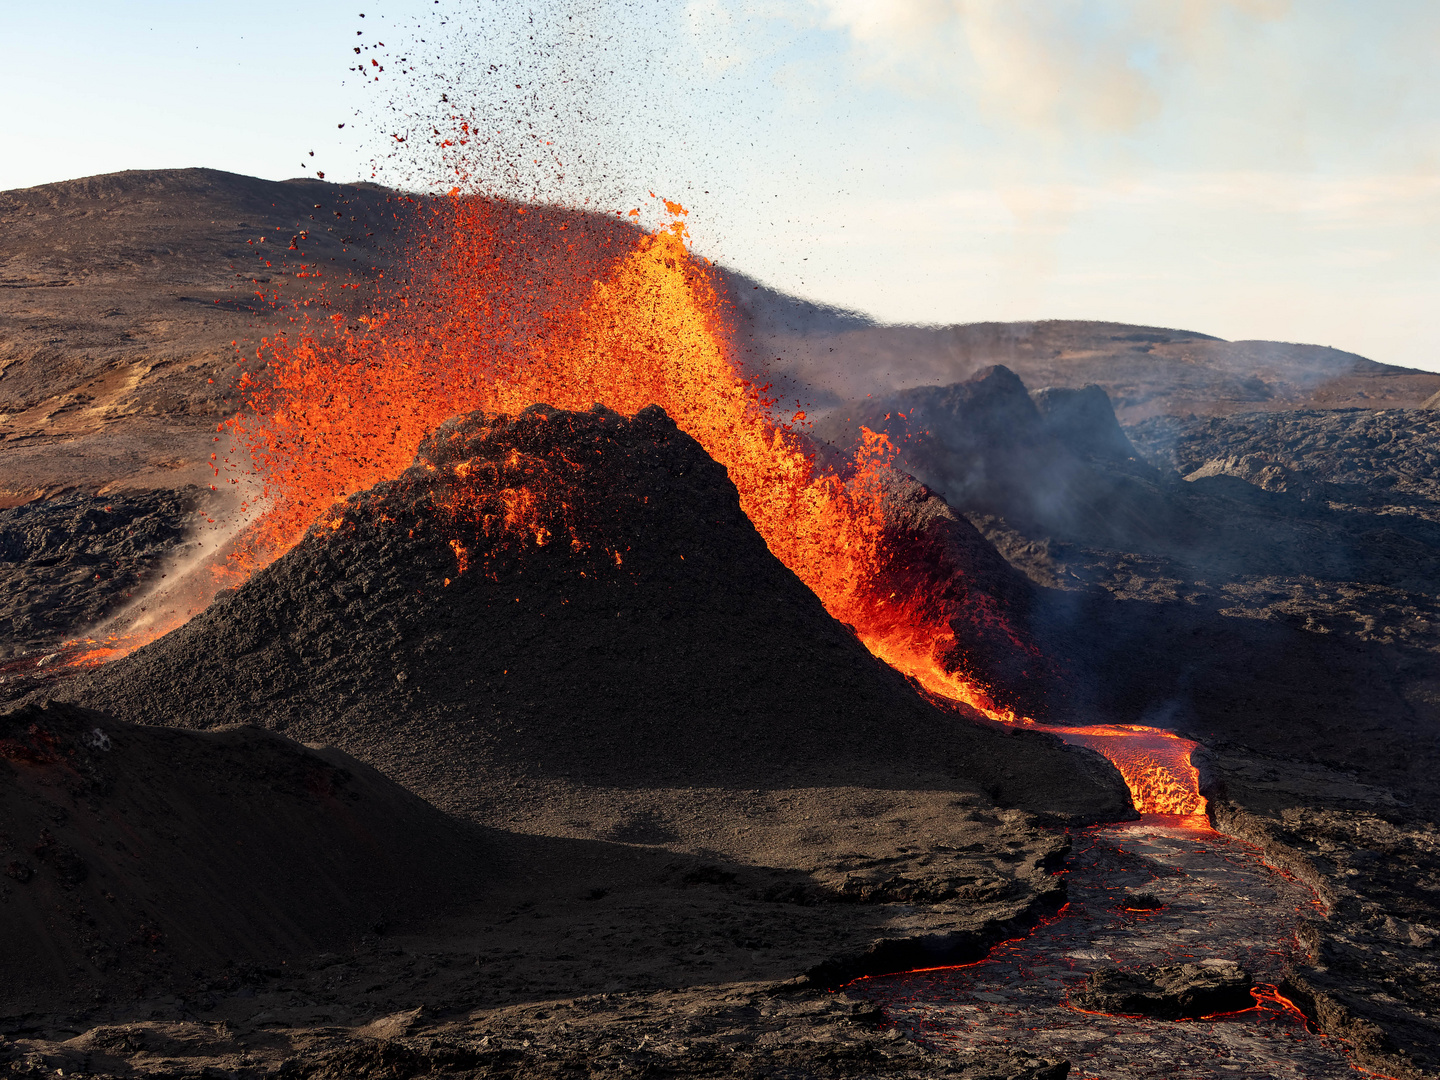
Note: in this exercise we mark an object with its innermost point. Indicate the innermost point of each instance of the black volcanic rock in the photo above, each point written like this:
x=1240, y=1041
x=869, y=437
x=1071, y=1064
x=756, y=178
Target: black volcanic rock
x=1083, y=421
x=1056, y=463
x=130, y=856
x=1171, y=993
x=67, y=562
x=628, y=626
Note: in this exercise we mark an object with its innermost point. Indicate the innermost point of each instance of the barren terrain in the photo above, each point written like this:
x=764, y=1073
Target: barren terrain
x=694, y=803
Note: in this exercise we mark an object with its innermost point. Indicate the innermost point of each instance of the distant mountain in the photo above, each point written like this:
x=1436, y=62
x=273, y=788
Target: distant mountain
x=125, y=300
x=1146, y=371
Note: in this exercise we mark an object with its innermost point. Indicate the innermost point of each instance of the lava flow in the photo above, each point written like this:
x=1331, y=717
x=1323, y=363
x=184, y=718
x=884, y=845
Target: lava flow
x=1207, y=899
x=1154, y=762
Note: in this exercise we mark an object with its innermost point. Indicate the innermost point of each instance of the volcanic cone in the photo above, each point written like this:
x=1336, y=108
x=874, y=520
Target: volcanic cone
x=573, y=598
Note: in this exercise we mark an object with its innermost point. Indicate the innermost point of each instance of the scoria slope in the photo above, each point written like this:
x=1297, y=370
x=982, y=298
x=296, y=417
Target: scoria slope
x=129, y=300
x=126, y=300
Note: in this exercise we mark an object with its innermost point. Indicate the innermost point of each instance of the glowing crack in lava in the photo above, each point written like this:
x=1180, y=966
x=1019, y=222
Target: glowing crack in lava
x=511, y=305
x=1155, y=763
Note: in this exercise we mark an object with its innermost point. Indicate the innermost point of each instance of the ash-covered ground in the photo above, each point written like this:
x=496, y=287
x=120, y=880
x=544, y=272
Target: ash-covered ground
x=1257, y=575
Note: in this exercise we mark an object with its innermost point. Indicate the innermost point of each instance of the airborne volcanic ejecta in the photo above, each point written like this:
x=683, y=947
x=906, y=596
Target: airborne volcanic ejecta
x=509, y=305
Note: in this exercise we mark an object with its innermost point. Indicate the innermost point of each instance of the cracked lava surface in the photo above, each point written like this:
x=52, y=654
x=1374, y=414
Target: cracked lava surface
x=1220, y=902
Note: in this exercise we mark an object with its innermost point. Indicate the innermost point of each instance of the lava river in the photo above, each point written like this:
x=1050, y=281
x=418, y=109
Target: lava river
x=1207, y=897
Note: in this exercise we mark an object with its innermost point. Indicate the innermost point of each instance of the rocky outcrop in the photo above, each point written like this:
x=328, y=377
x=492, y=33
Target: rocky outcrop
x=1171, y=993
x=1056, y=462
x=1083, y=421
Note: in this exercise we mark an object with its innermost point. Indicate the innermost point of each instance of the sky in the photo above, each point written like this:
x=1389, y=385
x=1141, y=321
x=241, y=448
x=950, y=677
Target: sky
x=1244, y=168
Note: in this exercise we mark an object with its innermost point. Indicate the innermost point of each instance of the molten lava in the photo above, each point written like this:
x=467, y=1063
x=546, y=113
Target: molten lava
x=1155, y=764
x=343, y=409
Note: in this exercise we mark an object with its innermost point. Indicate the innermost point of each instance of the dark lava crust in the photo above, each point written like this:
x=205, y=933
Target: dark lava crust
x=1171, y=993
x=67, y=563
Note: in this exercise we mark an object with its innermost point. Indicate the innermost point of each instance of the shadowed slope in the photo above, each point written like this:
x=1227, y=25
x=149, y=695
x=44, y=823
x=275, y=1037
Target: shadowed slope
x=133, y=856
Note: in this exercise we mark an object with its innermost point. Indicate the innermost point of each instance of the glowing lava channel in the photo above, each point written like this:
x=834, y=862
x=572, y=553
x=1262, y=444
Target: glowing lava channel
x=1154, y=762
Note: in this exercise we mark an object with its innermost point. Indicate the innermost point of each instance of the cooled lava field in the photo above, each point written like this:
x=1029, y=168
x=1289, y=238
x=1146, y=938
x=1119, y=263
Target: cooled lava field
x=1083, y=722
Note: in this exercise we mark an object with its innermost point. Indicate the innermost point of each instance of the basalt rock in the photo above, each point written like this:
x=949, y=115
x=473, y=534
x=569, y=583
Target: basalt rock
x=1171, y=993
x=1056, y=462
x=68, y=562
x=1083, y=421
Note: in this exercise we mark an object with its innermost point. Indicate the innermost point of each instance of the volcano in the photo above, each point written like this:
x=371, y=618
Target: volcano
x=1260, y=580
x=560, y=600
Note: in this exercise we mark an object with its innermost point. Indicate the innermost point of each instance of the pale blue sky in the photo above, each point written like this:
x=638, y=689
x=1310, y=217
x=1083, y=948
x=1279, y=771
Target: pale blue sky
x=1248, y=168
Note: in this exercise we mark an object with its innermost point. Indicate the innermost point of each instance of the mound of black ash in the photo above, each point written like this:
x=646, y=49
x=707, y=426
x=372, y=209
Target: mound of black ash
x=574, y=597
x=133, y=856
x=1171, y=993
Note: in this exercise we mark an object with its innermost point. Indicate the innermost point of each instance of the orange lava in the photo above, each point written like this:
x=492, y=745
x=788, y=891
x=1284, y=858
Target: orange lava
x=1268, y=995
x=1155, y=764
